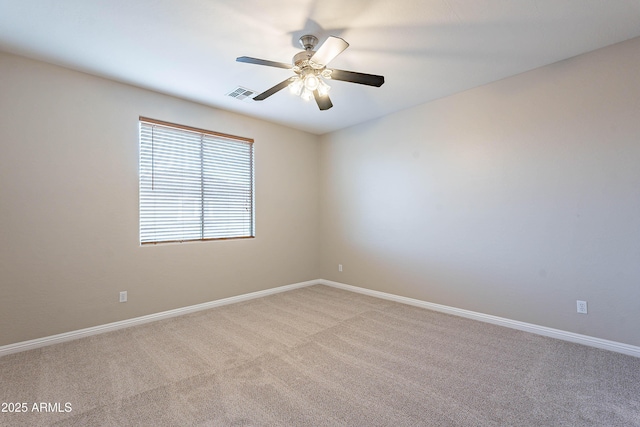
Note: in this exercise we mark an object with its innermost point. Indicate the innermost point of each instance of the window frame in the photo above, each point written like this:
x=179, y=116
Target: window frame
x=154, y=122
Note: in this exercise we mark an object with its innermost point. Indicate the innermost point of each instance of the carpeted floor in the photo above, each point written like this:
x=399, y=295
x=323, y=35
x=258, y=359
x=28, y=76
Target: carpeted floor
x=320, y=356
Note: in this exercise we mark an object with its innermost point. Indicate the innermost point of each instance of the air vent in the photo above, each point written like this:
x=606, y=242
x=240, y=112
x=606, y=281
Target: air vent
x=242, y=93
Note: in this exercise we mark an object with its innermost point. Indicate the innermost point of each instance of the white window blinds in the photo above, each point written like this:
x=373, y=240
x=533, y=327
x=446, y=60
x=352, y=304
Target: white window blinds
x=194, y=184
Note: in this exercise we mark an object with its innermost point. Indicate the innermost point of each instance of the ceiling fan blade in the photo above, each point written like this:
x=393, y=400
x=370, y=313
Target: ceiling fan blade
x=257, y=61
x=324, y=103
x=331, y=48
x=360, y=78
x=267, y=93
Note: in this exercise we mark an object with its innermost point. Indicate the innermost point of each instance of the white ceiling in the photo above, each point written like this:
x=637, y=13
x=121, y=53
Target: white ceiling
x=426, y=49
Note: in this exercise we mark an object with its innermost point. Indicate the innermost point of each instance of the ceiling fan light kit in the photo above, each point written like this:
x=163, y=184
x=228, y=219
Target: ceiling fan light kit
x=310, y=68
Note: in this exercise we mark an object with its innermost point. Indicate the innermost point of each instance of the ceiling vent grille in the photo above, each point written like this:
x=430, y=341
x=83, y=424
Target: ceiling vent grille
x=242, y=93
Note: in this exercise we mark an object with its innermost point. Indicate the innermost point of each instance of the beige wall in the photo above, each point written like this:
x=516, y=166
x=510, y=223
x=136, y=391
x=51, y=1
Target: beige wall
x=513, y=199
x=69, y=206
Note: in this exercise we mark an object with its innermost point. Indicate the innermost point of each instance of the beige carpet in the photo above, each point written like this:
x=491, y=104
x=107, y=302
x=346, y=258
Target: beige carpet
x=320, y=356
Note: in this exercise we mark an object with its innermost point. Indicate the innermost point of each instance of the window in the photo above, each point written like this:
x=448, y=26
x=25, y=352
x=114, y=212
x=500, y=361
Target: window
x=194, y=184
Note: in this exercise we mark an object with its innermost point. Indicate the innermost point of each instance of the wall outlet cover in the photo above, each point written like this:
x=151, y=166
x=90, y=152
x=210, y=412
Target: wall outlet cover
x=581, y=307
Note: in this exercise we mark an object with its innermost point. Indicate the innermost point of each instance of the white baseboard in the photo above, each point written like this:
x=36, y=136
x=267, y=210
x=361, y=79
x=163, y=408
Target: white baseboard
x=514, y=324
x=81, y=333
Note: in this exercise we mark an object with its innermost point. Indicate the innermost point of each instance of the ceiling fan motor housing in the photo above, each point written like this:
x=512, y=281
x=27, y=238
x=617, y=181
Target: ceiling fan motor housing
x=301, y=59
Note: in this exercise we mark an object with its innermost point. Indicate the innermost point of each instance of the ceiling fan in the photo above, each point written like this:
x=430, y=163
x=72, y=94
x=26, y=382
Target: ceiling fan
x=310, y=68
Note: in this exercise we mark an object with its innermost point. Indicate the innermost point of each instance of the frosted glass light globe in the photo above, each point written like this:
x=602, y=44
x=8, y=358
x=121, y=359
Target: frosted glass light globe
x=311, y=82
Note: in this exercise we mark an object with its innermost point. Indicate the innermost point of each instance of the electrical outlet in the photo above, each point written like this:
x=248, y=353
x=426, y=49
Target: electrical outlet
x=582, y=307
x=340, y=267
x=123, y=296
